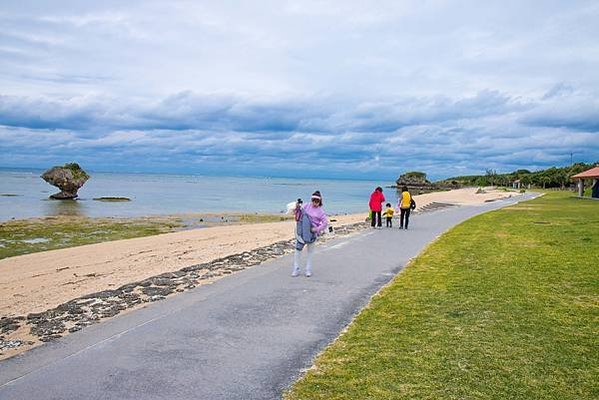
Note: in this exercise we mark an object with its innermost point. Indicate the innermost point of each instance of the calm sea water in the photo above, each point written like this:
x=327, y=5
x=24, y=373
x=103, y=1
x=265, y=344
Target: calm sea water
x=155, y=194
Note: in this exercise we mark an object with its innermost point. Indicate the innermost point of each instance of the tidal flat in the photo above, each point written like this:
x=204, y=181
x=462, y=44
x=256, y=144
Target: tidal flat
x=25, y=236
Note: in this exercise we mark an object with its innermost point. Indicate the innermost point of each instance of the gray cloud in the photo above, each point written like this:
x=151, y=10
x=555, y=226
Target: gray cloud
x=566, y=108
x=187, y=110
x=445, y=136
x=338, y=88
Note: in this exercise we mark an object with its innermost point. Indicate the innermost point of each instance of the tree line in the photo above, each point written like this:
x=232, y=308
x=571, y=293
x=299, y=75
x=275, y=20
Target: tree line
x=554, y=177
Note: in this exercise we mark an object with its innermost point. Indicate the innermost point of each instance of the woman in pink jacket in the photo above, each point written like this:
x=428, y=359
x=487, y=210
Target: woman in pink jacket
x=376, y=206
x=318, y=225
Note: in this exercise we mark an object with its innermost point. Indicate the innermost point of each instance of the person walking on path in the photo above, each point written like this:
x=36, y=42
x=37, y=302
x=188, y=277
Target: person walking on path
x=405, y=206
x=376, y=206
x=311, y=221
x=389, y=215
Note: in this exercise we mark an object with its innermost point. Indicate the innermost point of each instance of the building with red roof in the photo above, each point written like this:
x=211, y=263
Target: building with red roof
x=593, y=174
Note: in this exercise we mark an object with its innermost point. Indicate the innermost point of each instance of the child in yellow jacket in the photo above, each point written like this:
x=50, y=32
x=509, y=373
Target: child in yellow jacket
x=388, y=214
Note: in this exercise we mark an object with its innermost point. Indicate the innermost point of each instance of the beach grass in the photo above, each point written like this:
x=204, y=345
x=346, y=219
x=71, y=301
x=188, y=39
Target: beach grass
x=503, y=306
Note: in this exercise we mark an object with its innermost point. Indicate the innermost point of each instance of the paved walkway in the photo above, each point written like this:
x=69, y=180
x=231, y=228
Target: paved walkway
x=247, y=336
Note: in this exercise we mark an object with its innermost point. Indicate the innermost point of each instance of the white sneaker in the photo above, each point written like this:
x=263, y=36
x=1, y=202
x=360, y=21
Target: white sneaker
x=308, y=274
x=296, y=272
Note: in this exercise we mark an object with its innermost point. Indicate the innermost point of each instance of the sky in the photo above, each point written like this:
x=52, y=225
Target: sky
x=332, y=89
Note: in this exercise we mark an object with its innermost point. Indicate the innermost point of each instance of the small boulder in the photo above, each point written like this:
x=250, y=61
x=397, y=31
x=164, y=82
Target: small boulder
x=68, y=178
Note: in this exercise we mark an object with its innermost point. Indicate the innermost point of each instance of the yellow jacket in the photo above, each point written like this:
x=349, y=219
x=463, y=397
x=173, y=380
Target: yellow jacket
x=406, y=199
x=388, y=213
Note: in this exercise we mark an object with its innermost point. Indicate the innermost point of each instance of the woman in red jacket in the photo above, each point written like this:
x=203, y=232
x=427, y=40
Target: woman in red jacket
x=376, y=206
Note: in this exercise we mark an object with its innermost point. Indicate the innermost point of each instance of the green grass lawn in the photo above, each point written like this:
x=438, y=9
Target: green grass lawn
x=503, y=306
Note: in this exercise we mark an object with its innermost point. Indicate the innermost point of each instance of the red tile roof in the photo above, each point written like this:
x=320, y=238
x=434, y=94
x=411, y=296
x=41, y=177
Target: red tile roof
x=591, y=173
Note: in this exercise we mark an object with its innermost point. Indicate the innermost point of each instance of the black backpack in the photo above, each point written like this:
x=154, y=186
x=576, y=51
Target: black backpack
x=412, y=204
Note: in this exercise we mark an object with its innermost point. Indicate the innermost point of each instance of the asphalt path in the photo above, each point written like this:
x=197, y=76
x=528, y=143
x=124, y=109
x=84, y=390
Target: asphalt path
x=247, y=336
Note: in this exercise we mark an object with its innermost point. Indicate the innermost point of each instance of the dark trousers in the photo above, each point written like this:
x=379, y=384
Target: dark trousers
x=404, y=213
x=389, y=223
x=376, y=218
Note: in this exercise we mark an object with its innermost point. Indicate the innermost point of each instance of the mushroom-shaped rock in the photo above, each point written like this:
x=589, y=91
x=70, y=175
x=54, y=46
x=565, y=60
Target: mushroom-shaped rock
x=68, y=178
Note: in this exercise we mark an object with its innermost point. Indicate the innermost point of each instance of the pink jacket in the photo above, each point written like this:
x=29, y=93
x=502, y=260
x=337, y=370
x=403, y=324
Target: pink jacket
x=318, y=218
x=376, y=200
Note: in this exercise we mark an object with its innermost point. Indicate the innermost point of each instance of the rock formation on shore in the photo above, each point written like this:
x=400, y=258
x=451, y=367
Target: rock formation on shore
x=69, y=179
x=413, y=179
x=418, y=184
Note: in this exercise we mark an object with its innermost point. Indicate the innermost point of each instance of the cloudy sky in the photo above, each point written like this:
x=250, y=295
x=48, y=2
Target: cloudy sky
x=353, y=89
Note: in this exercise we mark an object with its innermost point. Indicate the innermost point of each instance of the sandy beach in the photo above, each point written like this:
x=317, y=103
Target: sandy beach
x=39, y=281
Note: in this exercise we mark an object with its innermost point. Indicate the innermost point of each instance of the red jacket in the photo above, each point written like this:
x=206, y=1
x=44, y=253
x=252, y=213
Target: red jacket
x=376, y=201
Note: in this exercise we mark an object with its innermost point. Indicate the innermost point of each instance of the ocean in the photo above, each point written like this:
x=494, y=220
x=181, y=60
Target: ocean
x=23, y=194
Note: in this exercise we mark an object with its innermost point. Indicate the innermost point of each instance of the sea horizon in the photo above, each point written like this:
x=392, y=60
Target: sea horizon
x=207, y=174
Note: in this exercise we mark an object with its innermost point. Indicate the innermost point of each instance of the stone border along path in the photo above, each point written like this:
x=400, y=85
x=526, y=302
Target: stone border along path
x=78, y=313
